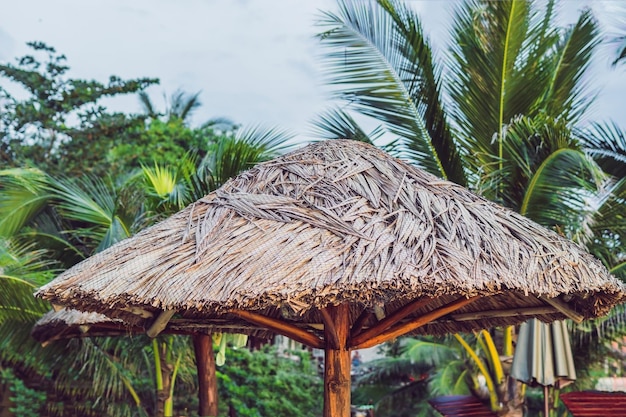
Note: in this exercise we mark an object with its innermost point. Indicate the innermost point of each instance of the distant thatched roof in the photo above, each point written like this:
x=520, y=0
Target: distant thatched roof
x=67, y=323
x=341, y=222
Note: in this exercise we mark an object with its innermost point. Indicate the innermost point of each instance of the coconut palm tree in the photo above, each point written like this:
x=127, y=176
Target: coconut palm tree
x=505, y=126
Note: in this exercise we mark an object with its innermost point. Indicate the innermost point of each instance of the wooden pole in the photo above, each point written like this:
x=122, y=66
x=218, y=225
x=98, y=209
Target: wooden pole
x=207, y=380
x=337, y=363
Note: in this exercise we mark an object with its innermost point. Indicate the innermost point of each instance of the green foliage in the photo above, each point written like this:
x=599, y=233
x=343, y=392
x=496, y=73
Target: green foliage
x=260, y=384
x=163, y=141
x=249, y=146
x=26, y=402
x=413, y=370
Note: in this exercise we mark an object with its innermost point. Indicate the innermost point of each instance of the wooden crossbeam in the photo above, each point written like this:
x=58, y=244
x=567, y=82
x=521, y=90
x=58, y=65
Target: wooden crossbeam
x=527, y=311
x=138, y=311
x=360, y=322
x=389, y=321
x=281, y=327
x=160, y=323
x=409, y=326
x=564, y=308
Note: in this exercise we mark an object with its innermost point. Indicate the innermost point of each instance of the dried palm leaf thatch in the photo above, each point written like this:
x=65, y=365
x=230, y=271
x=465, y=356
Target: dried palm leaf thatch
x=342, y=222
x=67, y=323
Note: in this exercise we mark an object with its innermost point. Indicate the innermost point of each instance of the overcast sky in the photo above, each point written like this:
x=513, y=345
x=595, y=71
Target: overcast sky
x=254, y=61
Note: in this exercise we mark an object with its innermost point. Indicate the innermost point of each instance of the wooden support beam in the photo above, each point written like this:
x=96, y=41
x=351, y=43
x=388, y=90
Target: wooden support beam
x=528, y=311
x=360, y=322
x=160, y=323
x=281, y=327
x=207, y=379
x=337, y=364
x=413, y=324
x=564, y=308
x=330, y=326
x=389, y=321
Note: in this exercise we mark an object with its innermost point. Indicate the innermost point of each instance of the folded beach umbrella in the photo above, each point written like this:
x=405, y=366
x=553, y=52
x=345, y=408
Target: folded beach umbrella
x=340, y=246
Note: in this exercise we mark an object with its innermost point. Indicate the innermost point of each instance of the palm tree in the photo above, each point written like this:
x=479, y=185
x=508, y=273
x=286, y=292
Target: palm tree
x=179, y=106
x=506, y=124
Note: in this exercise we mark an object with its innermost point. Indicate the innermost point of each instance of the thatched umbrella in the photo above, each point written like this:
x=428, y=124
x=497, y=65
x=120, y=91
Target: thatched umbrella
x=341, y=247
x=67, y=323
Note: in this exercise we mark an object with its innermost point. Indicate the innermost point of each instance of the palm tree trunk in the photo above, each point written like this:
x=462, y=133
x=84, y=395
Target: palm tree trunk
x=163, y=371
x=5, y=402
x=512, y=398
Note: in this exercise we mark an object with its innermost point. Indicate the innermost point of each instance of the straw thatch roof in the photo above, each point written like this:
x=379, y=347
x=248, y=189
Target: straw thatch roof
x=341, y=222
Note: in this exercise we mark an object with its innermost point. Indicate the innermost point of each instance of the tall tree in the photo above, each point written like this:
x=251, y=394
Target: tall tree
x=516, y=92
x=60, y=126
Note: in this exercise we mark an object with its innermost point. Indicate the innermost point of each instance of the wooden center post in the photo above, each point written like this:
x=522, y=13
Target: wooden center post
x=207, y=379
x=337, y=361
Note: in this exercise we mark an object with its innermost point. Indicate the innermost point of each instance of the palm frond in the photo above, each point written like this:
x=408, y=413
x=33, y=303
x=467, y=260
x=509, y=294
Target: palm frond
x=450, y=379
x=429, y=351
x=392, y=370
x=250, y=146
x=567, y=95
x=617, y=32
x=88, y=200
x=23, y=194
x=22, y=270
x=372, y=74
x=489, y=40
x=92, y=204
x=269, y=141
x=337, y=124
x=609, y=224
x=546, y=175
x=182, y=105
x=606, y=143
x=147, y=106
x=594, y=336
x=423, y=77
x=164, y=185
x=106, y=364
